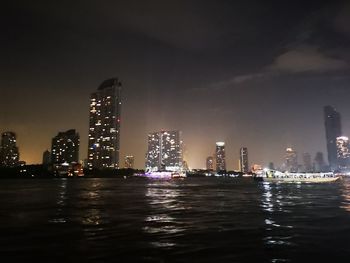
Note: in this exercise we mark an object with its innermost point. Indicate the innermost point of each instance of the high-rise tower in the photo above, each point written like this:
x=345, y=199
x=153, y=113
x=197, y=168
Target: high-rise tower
x=164, y=151
x=291, y=160
x=104, y=128
x=319, y=163
x=243, y=160
x=307, y=165
x=9, y=154
x=220, y=156
x=210, y=163
x=343, y=153
x=129, y=161
x=332, y=122
x=65, y=147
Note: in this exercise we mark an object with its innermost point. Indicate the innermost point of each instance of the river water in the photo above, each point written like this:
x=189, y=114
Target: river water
x=190, y=220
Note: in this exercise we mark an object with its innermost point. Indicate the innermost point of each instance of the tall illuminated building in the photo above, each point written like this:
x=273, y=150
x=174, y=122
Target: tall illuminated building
x=104, y=126
x=65, y=147
x=129, y=161
x=210, y=163
x=220, y=157
x=291, y=160
x=243, y=160
x=343, y=152
x=164, y=151
x=332, y=120
x=9, y=154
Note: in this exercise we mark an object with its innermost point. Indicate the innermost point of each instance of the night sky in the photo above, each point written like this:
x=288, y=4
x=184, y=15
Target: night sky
x=250, y=73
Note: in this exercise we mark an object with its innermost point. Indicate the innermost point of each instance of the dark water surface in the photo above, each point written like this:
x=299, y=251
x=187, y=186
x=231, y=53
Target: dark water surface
x=191, y=220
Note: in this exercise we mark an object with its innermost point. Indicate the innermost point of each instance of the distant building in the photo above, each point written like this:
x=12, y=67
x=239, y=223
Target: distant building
x=185, y=166
x=307, y=164
x=46, y=158
x=333, y=128
x=104, y=126
x=220, y=157
x=210, y=163
x=291, y=161
x=9, y=153
x=320, y=165
x=85, y=163
x=164, y=151
x=271, y=166
x=343, y=153
x=129, y=161
x=65, y=148
x=243, y=160
x=257, y=169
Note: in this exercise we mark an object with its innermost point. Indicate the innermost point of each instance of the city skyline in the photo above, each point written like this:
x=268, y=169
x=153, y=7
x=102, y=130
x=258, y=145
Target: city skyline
x=282, y=164
x=227, y=72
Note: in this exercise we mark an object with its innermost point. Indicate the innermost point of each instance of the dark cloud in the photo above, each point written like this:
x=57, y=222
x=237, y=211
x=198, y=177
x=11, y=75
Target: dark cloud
x=306, y=59
x=342, y=20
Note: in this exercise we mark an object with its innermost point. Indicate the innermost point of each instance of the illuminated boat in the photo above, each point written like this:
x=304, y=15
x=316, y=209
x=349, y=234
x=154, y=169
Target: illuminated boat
x=164, y=174
x=276, y=176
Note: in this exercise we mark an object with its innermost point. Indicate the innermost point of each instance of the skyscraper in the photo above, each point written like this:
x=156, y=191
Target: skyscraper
x=220, y=156
x=307, y=163
x=243, y=160
x=46, y=158
x=291, y=160
x=9, y=154
x=343, y=152
x=65, y=147
x=129, y=161
x=332, y=121
x=104, y=128
x=164, y=151
x=210, y=163
x=319, y=162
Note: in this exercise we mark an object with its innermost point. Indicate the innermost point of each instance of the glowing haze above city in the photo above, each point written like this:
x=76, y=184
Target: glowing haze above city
x=248, y=73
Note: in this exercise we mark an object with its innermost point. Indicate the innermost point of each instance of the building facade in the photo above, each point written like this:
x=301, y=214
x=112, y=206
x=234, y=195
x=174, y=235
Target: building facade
x=307, y=163
x=164, y=151
x=332, y=120
x=320, y=164
x=210, y=163
x=46, y=158
x=129, y=162
x=220, y=157
x=104, y=126
x=291, y=161
x=65, y=148
x=9, y=153
x=343, y=153
x=243, y=160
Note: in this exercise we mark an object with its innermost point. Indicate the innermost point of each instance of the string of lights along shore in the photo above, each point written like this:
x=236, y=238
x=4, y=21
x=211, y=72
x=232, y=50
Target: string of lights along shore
x=165, y=148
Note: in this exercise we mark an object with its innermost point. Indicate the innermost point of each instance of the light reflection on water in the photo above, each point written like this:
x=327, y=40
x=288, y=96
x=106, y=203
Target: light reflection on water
x=278, y=233
x=163, y=200
x=94, y=215
x=345, y=193
x=202, y=220
x=61, y=202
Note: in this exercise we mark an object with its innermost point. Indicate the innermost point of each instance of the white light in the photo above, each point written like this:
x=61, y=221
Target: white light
x=220, y=143
x=344, y=138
